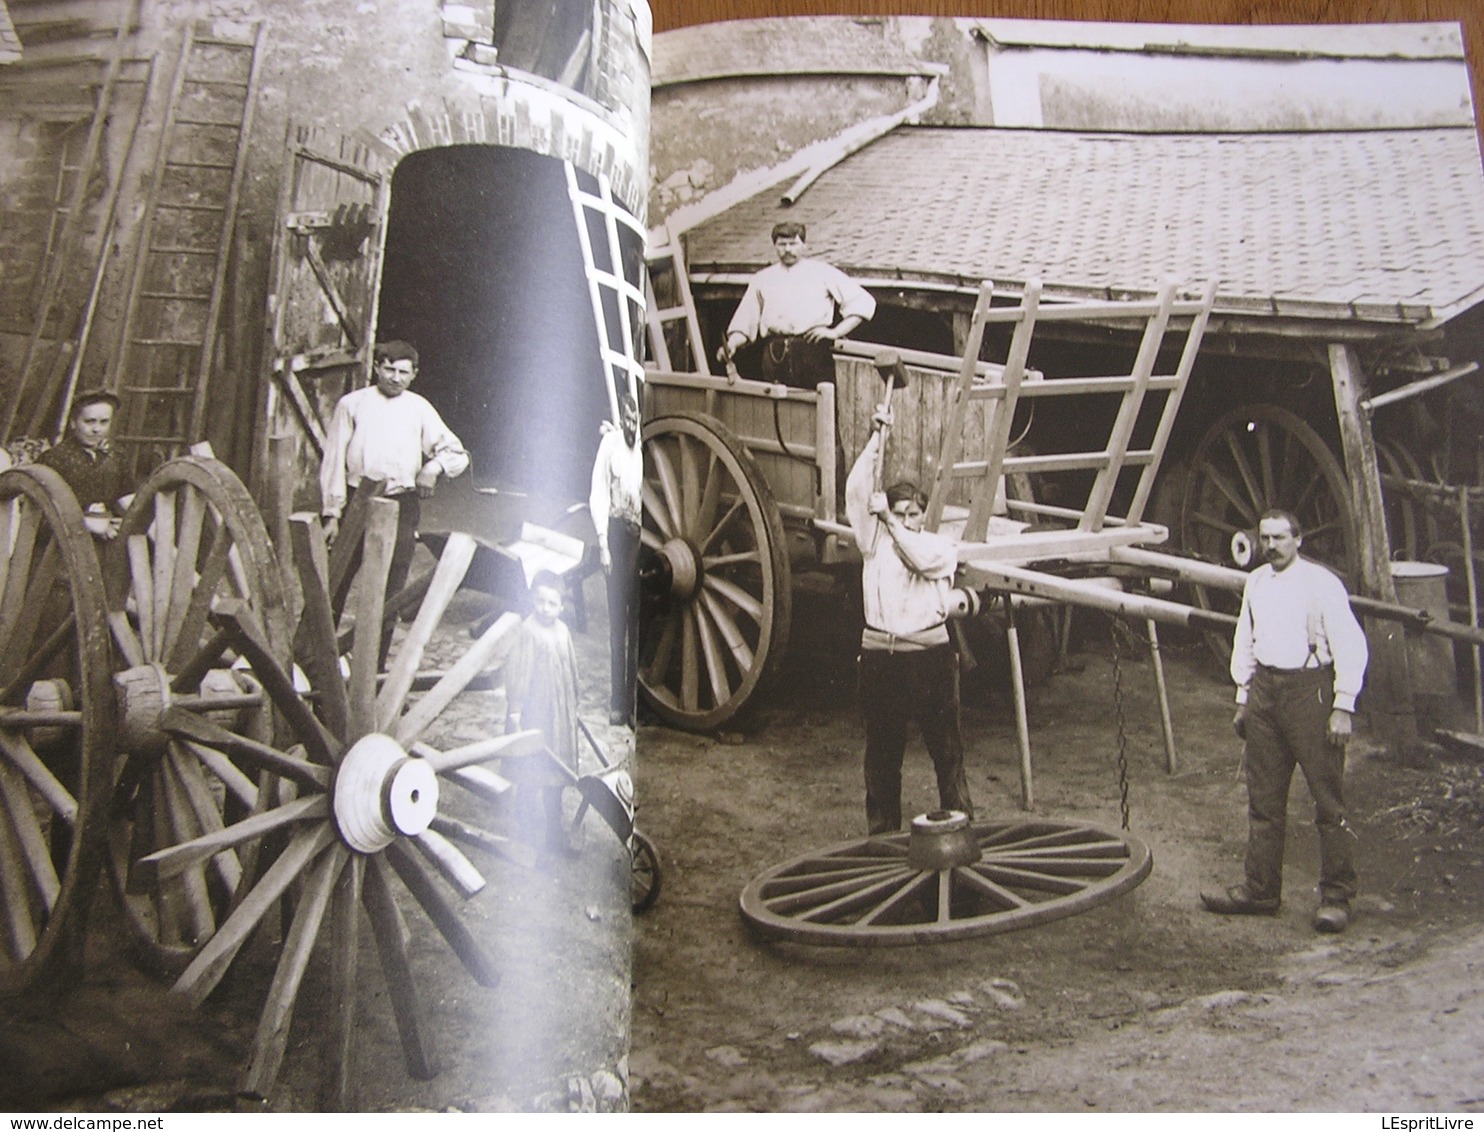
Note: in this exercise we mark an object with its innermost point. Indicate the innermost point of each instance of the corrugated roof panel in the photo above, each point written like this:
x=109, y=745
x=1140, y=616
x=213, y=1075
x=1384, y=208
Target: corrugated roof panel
x=1327, y=219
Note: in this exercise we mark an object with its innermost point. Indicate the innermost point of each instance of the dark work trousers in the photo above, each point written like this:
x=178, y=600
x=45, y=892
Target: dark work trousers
x=793, y=360
x=896, y=688
x=1287, y=715
x=623, y=616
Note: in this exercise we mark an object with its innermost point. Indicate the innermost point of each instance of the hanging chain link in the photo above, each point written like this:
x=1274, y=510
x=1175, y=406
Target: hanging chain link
x=1114, y=625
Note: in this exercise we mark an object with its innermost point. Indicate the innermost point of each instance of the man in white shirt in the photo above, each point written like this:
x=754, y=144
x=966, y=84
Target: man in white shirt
x=908, y=665
x=386, y=433
x=614, y=499
x=796, y=310
x=1298, y=660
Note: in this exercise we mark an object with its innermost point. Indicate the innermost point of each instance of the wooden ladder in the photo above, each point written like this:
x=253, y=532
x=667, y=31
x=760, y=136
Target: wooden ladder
x=167, y=339
x=618, y=301
x=667, y=263
x=1005, y=390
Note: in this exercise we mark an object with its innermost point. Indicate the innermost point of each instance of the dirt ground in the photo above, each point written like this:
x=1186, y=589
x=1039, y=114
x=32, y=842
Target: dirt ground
x=1146, y=1003
x=552, y=1036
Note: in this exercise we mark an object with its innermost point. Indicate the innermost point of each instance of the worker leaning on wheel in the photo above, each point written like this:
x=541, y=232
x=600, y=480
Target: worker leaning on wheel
x=908, y=665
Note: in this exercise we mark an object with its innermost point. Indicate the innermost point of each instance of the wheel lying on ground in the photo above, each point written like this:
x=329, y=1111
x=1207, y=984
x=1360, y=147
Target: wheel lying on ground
x=644, y=874
x=717, y=576
x=191, y=541
x=1255, y=458
x=947, y=879
x=56, y=726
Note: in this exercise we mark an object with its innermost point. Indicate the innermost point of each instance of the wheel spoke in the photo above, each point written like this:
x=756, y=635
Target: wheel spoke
x=430, y=705
x=188, y=725
x=183, y=577
x=853, y=900
x=1026, y=878
x=716, y=669
x=736, y=643
x=451, y=864
x=391, y=935
x=735, y=594
x=690, y=483
x=664, y=650
x=187, y=639
x=163, y=529
x=974, y=878
x=15, y=799
x=345, y=950
x=368, y=602
x=18, y=578
x=1217, y=478
x=659, y=458
x=20, y=927
x=453, y=564
x=444, y=916
x=211, y=963
x=203, y=806
x=241, y=787
x=896, y=900
x=39, y=603
x=738, y=507
x=142, y=586
x=273, y=1027
x=19, y=754
x=176, y=859
x=658, y=513
x=705, y=516
x=1243, y=465
x=1270, y=489
x=690, y=665
x=182, y=827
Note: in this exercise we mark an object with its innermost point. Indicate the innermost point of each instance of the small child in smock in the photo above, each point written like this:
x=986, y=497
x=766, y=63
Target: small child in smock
x=541, y=694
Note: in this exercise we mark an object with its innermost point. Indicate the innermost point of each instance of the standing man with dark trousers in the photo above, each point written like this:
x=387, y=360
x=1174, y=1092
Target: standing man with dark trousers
x=1298, y=660
x=908, y=664
x=614, y=499
x=796, y=310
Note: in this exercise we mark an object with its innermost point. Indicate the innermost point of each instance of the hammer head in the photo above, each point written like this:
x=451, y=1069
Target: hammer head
x=889, y=365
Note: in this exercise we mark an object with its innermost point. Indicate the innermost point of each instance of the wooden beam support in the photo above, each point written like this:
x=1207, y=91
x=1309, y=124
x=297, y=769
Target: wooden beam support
x=1388, y=690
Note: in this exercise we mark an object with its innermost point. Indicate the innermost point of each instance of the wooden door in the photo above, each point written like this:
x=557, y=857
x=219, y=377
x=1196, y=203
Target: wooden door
x=322, y=306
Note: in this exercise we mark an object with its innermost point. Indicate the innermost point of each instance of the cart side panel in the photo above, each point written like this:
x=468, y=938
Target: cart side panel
x=759, y=420
x=918, y=413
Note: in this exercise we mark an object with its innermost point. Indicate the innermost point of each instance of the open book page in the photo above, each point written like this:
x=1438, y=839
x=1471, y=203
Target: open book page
x=319, y=331
x=993, y=358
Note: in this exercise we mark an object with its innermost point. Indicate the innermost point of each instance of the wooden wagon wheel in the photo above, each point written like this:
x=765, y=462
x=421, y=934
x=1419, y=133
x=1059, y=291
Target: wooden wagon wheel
x=56, y=726
x=717, y=574
x=947, y=879
x=190, y=541
x=1410, y=527
x=355, y=803
x=1251, y=459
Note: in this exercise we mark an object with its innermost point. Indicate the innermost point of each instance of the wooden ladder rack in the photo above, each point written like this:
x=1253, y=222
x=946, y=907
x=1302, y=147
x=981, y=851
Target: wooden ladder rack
x=162, y=366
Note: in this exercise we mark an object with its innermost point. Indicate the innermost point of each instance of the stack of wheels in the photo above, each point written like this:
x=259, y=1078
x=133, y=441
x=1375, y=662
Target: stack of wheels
x=151, y=717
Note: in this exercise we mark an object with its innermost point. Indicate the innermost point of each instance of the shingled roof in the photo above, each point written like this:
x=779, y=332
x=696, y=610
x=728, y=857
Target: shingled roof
x=794, y=45
x=1380, y=226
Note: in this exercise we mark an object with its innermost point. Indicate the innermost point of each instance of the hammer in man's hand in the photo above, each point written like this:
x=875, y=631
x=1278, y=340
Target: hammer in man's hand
x=889, y=365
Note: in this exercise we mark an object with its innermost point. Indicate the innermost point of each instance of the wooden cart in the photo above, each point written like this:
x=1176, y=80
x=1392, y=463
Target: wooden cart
x=743, y=482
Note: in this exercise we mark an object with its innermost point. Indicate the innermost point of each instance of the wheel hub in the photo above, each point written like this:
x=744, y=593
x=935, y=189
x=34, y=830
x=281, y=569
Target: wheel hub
x=684, y=567
x=941, y=840
x=381, y=792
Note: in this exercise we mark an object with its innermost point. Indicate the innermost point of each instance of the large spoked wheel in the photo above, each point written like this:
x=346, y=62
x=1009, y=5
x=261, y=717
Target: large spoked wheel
x=947, y=879
x=644, y=873
x=352, y=793
x=192, y=542
x=1252, y=459
x=717, y=574
x=56, y=726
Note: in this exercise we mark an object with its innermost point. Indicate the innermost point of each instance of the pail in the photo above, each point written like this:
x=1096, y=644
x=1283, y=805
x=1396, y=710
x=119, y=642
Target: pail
x=1424, y=585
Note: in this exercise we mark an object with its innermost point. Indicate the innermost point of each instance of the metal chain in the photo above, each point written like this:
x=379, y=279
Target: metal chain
x=1113, y=623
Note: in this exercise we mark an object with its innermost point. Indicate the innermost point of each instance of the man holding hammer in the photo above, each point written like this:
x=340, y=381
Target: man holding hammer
x=908, y=666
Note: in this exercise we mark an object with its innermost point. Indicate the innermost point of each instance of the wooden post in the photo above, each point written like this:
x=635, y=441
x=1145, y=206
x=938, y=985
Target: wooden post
x=1388, y=694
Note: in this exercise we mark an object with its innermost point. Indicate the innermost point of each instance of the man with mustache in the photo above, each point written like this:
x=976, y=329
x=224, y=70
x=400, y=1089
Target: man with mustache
x=1298, y=660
